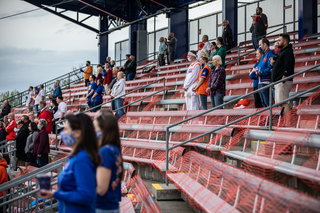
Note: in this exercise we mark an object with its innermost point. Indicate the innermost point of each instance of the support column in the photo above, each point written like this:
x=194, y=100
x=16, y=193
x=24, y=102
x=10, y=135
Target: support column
x=179, y=25
x=230, y=13
x=103, y=40
x=133, y=28
x=308, y=20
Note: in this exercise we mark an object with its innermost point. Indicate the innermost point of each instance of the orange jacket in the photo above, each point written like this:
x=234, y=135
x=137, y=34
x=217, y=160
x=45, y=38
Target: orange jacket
x=87, y=72
x=46, y=115
x=3, y=173
x=10, y=130
x=204, y=73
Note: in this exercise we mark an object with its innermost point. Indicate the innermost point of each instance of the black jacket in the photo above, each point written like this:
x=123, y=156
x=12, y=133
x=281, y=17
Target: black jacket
x=227, y=35
x=114, y=80
x=132, y=66
x=3, y=134
x=6, y=110
x=22, y=136
x=125, y=65
x=284, y=64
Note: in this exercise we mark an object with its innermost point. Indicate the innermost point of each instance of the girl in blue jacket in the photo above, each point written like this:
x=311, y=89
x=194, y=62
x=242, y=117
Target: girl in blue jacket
x=110, y=172
x=77, y=182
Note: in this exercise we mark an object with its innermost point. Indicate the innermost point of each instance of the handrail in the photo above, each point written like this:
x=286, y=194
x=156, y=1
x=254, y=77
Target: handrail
x=270, y=86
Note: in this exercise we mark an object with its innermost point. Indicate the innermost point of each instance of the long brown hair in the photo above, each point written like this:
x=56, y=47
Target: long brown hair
x=88, y=139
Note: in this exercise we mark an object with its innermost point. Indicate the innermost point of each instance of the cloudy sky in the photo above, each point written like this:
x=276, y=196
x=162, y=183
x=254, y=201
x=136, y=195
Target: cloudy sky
x=38, y=46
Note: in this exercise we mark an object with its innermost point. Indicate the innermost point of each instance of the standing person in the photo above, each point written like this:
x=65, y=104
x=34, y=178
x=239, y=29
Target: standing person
x=6, y=109
x=162, y=49
x=254, y=42
x=261, y=26
x=41, y=146
x=57, y=90
x=5, y=120
x=30, y=100
x=283, y=67
x=227, y=35
x=112, y=64
x=108, y=60
x=62, y=108
x=254, y=77
x=217, y=82
x=114, y=80
x=87, y=73
x=131, y=69
x=40, y=97
x=213, y=48
x=221, y=51
x=172, y=46
x=192, y=99
x=97, y=97
x=3, y=177
x=128, y=60
x=32, y=159
x=202, y=84
x=21, y=140
x=77, y=182
x=107, y=78
x=110, y=171
x=99, y=72
x=3, y=132
x=45, y=114
x=92, y=87
x=54, y=114
x=119, y=89
x=10, y=127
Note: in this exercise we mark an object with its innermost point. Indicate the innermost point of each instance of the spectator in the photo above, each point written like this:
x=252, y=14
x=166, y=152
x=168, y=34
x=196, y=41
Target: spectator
x=21, y=139
x=276, y=49
x=114, y=80
x=162, y=49
x=46, y=114
x=108, y=60
x=32, y=159
x=54, y=114
x=254, y=77
x=110, y=171
x=3, y=132
x=6, y=157
x=99, y=73
x=57, y=90
x=221, y=51
x=131, y=69
x=202, y=84
x=112, y=64
x=92, y=87
x=213, y=47
x=40, y=97
x=128, y=60
x=217, y=82
x=41, y=146
x=5, y=120
x=192, y=100
x=10, y=127
x=3, y=176
x=87, y=73
x=261, y=25
x=30, y=99
x=62, y=108
x=283, y=67
x=78, y=180
x=6, y=109
x=172, y=46
x=227, y=35
x=119, y=90
x=254, y=42
x=97, y=97
x=205, y=46
x=107, y=78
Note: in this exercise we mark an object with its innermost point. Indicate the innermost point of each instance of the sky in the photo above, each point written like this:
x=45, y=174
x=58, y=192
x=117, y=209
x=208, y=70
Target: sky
x=38, y=46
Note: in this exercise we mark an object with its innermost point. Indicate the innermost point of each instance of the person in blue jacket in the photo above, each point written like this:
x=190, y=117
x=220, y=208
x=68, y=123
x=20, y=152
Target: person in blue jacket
x=91, y=89
x=57, y=90
x=97, y=97
x=77, y=182
x=264, y=71
x=110, y=172
x=254, y=77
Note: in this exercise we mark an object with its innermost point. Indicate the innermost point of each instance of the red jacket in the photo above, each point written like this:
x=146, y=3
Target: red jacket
x=3, y=173
x=41, y=143
x=108, y=77
x=10, y=130
x=46, y=115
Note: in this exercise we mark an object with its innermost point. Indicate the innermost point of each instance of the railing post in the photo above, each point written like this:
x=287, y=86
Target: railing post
x=56, y=125
x=14, y=156
x=69, y=97
x=164, y=88
x=167, y=155
x=69, y=81
x=238, y=55
x=270, y=104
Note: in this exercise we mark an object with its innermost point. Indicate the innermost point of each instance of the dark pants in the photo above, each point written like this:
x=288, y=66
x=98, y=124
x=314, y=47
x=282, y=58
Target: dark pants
x=90, y=104
x=161, y=60
x=171, y=56
x=43, y=160
x=168, y=60
x=217, y=100
x=118, y=104
x=257, y=100
x=264, y=95
x=86, y=82
x=130, y=76
x=97, y=103
x=256, y=42
x=203, y=100
x=32, y=159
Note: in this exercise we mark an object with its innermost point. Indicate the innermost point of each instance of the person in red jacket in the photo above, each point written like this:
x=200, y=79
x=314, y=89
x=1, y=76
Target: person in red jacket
x=3, y=172
x=10, y=128
x=41, y=146
x=107, y=78
x=46, y=115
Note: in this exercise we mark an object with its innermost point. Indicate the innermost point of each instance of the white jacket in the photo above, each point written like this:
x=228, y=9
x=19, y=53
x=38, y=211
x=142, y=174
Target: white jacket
x=119, y=88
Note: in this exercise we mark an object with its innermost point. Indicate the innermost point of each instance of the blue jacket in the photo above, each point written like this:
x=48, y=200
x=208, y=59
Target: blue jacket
x=77, y=185
x=254, y=76
x=264, y=67
x=57, y=92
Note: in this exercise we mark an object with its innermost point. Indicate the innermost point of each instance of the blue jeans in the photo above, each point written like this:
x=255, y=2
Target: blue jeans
x=217, y=100
x=118, y=104
x=113, y=107
x=43, y=160
x=130, y=76
x=264, y=95
x=203, y=100
x=96, y=103
x=256, y=42
x=90, y=104
x=36, y=109
x=107, y=211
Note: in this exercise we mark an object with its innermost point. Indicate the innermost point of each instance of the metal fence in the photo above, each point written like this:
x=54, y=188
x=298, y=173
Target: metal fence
x=10, y=148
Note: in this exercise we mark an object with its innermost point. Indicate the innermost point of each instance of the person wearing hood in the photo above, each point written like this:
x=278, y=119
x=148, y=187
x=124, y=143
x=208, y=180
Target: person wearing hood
x=119, y=89
x=6, y=109
x=21, y=139
x=10, y=128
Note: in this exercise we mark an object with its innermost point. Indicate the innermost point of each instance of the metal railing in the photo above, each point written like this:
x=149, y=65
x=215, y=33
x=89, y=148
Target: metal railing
x=10, y=148
x=270, y=87
x=18, y=193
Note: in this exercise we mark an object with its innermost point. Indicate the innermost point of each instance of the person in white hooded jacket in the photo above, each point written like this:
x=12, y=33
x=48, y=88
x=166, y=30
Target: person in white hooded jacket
x=118, y=90
x=192, y=99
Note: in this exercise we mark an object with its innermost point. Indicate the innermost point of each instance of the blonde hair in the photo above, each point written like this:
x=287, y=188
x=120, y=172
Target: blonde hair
x=218, y=59
x=99, y=70
x=204, y=52
x=121, y=74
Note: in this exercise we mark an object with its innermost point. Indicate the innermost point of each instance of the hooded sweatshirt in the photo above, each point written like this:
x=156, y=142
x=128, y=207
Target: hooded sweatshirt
x=3, y=173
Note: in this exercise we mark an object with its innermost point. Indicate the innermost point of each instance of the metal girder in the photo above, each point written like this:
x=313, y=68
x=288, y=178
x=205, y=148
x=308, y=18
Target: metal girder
x=182, y=3
x=104, y=10
x=161, y=3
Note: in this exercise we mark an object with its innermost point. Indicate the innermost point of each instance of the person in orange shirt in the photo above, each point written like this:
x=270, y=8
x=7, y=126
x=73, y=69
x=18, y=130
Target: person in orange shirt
x=87, y=73
x=203, y=80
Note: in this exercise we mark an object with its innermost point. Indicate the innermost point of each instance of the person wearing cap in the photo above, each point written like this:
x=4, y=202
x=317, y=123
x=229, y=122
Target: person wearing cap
x=192, y=99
